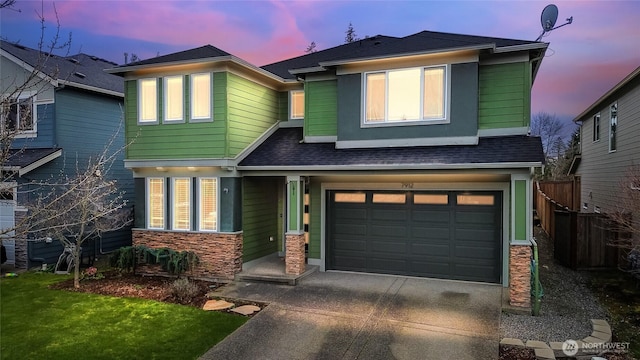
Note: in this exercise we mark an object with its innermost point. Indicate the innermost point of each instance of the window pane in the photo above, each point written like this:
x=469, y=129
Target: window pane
x=208, y=215
x=434, y=88
x=173, y=98
x=375, y=97
x=155, y=211
x=475, y=199
x=10, y=116
x=148, y=100
x=201, y=96
x=297, y=104
x=431, y=199
x=350, y=197
x=404, y=95
x=390, y=198
x=181, y=204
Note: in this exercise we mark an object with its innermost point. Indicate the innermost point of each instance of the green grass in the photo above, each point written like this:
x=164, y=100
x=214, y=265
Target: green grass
x=39, y=323
x=620, y=293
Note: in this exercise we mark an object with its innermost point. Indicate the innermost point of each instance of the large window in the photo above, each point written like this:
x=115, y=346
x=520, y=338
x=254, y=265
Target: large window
x=207, y=204
x=613, y=126
x=297, y=104
x=147, y=100
x=18, y=115
x=173, y=98
x=201, y=96
x=155, y=203
x=415, y=94
x=596, y=127
x=181, y=203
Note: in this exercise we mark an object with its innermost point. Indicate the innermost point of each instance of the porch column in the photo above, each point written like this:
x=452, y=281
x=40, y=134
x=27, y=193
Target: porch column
x=294, y=237
x=520, y=242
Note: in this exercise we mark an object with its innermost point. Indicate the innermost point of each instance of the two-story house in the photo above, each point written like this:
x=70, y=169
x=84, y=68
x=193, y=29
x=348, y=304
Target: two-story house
x=609, y=146
x=387, y=155
x=65, y=110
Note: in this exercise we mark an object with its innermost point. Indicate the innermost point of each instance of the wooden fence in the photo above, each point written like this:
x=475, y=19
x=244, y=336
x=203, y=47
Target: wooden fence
x=581, y=240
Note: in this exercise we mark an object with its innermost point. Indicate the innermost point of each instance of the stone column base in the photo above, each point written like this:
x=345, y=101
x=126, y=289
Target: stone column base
x=294, y=254
x=520, y=275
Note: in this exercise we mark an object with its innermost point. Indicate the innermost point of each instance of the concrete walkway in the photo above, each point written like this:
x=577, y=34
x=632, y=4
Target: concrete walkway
x=336, y=315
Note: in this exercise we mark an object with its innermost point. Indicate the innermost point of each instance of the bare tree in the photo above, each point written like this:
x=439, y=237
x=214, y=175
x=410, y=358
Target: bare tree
x=79, y=207
x=350, y=35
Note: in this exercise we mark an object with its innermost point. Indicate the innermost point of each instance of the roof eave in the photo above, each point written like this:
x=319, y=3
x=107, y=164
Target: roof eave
x=92, y=88
x=466, y=166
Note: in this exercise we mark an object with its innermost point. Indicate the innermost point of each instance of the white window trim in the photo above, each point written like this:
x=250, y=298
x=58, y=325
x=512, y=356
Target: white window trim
x=596, y=135
x=148, y=205
x=165, y=102
x=386, y=122
x=173, y=205
x=34, y=115
x=291, y=117
x=192, y=99
x=610, y=120
x=199, y=189
x=150, y=121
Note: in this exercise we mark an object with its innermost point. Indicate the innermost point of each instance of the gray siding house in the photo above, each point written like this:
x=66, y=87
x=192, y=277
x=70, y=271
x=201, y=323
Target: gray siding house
x=609, y=133
x=65, y=114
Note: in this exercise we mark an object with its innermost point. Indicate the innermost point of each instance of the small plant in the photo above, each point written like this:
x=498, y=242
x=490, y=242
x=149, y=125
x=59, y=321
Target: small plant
x=91, y=273
x=184, y=290
x=171, y=261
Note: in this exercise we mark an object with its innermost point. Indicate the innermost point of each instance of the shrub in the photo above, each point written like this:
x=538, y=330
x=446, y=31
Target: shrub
x=184, y=290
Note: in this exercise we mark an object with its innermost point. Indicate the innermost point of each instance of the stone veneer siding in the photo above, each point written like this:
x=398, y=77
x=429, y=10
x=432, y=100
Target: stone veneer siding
x=294, y=254
x=220, y=253
x=520, y=275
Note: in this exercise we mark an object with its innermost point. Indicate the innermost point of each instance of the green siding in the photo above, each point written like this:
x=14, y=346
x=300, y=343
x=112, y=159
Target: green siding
x=504, y=96
x=321, y=108
x=259, y=217
x=315, y=212
x=283, y=106
x=520, y=212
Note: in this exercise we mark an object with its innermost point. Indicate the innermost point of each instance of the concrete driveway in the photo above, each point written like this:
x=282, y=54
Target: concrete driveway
x=335, y=315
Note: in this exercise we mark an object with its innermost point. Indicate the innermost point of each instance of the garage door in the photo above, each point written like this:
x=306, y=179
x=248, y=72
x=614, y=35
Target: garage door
x=450, y=235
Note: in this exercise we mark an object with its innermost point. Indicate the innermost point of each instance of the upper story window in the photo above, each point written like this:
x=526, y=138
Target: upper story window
x=613, y=126
x=406, y=95
x=148, y=100
x=173, y=98
x=155, y=203
x=18, y=115
x=596, y=127
x=297, y=104
x=201, y=96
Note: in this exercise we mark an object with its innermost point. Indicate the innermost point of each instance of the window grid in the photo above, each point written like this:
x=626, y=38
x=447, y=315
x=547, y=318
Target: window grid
x=207, y=204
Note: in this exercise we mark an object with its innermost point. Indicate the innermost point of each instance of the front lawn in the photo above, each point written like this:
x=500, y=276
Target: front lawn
x=39, y=323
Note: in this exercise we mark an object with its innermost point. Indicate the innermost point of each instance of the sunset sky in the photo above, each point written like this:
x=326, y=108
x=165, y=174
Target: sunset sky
x=584, y=59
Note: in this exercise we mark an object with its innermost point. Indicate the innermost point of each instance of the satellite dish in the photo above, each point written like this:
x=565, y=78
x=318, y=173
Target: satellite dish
x=548, y=20
x=549, y=17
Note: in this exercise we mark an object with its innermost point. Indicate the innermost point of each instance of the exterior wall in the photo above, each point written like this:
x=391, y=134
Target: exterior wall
x=45, y=124
x=252, y=109
x=260, y=217
x=504, y=98
x=315, y=220
x=520, y=276
x=220, y=253
x=601, y=171
x=14, y=75
x=321, y=108
x=463, y=110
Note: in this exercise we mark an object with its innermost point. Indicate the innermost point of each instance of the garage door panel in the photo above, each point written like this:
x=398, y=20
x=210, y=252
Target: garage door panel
x=439, y=239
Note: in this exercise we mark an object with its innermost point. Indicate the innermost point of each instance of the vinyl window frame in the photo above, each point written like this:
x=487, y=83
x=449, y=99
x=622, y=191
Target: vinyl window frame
x=201, y=227
x=174, y=204
x=167, y=97
x=148, y=204
x=193, y=99
x=29, y=96
x=596, y=127
x=613, y=127
x=293, y=115
x=147, y=121
x=446, y=98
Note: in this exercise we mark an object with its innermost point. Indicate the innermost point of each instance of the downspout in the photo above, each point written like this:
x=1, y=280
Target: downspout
x=536, y=287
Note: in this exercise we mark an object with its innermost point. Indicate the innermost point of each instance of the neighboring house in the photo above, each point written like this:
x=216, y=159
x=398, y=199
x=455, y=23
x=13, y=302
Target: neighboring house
x=66, y=113
x=387, y=155
x=609, y=145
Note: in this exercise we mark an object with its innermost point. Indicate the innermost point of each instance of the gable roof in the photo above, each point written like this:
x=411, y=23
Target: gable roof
x=81, y=70
x=381, y=46
x=635, y=74
x=203, y=52
x=283, y=150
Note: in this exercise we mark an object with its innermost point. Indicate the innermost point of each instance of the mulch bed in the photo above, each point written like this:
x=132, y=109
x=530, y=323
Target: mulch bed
x=516, y=353
x=156, y=288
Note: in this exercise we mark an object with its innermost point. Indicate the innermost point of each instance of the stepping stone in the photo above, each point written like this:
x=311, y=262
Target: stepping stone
x=246, y=309
x=599, y=322
x=217, y=305
x=534, y=344
x=605, y=337
x=511, y=342
x=542, y=353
